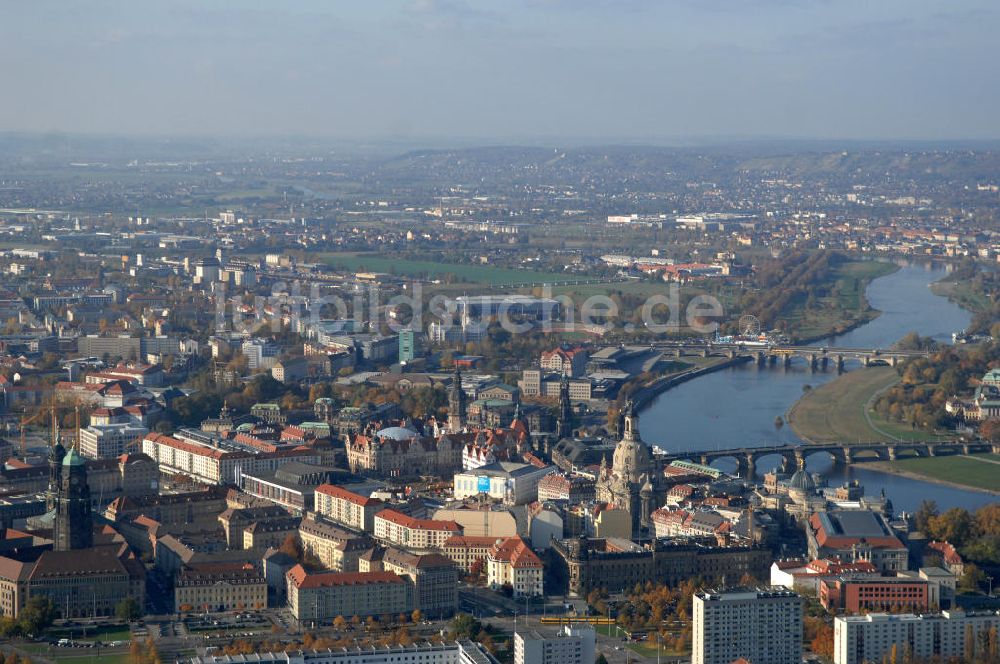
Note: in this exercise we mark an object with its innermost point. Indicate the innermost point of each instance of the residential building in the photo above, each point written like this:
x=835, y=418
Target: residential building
x=574, y=644
x=325, y=595
x=761, y=626
x=468, y=550
x=394, y=527
x=511, y=563
x=346, y=507
x=434, y=578
x=561, y=486
x=940, y=637
x=336, y=549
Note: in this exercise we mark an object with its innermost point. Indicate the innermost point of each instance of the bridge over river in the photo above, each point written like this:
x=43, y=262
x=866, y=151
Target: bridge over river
x=818, y=356
x=746, y=458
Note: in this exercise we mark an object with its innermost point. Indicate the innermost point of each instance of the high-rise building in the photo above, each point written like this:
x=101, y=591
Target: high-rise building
x=761, y=626
x=410, y=345
x=574, y=644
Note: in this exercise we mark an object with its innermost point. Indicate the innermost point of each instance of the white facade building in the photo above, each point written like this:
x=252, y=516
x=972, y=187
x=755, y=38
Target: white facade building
x=109, y=441
x=573, y=645
x=461, y=652
x=509, y=482
x=762, y=626
x=940, y=636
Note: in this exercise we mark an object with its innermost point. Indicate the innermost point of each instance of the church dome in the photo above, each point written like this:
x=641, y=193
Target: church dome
x=802, y=481
x=73, y=458
x=397, y=433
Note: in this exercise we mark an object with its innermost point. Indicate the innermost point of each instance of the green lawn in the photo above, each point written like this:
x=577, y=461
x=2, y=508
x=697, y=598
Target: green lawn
x=962, y=293
x=100, y=633
x=970, y=470
x=649, y=651
x=480, y=274
x=835, y=412
x=850, y=279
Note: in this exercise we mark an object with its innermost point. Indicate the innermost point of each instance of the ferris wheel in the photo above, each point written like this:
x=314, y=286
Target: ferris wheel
x=749, y=325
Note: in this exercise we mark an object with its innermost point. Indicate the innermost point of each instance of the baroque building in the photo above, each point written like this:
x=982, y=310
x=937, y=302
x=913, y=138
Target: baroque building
x=634, y=482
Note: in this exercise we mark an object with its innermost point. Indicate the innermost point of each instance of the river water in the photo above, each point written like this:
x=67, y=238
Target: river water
x=737, y=407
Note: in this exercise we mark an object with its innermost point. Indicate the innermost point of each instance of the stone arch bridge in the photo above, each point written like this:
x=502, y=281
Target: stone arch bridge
x=842, y=453
x=817, y=356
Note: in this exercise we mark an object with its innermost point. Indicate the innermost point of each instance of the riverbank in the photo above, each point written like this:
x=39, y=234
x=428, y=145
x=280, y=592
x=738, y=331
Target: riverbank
x=846, y=308
x=962, y=294
x=839, y=410
x=972, y=473
x=658, y=386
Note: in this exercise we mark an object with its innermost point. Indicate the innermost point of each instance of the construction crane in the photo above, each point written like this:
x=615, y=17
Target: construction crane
x=24, y=422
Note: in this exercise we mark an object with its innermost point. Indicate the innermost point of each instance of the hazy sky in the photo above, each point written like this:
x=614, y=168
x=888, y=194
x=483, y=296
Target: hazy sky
x=504, y=70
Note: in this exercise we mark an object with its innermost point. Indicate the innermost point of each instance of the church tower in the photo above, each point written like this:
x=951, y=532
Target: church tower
x=74, y=524
x=456, y=404
x=565, y=422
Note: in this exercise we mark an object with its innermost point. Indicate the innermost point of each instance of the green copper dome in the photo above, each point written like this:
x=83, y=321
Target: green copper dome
x=73, y=458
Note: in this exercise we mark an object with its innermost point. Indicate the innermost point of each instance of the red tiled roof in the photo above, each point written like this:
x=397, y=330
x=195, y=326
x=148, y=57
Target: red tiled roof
x=339, y=492
x=515, y=551
x=469, y=541
x=303, y=579
x=408, y=521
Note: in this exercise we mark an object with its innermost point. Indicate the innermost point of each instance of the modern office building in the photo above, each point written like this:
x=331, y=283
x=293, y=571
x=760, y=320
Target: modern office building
x=410, y=345
x=940, y=636
x=574, y=644
x=757, y=625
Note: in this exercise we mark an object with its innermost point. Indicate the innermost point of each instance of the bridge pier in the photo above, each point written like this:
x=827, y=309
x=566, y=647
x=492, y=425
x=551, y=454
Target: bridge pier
x=848, y=458
x=894, y=360
x=825, y=362
x=704, y=460
x=813, y=362
x=704, y=353
x=751, y=467
x=761, y=359
x=891, y=449
x=772, y=359
x=732, y=353
x=679, y=352
x=786, y=360
x=840, y=364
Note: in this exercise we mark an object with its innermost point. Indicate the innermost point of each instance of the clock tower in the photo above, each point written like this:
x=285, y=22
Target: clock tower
x=74, y=522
